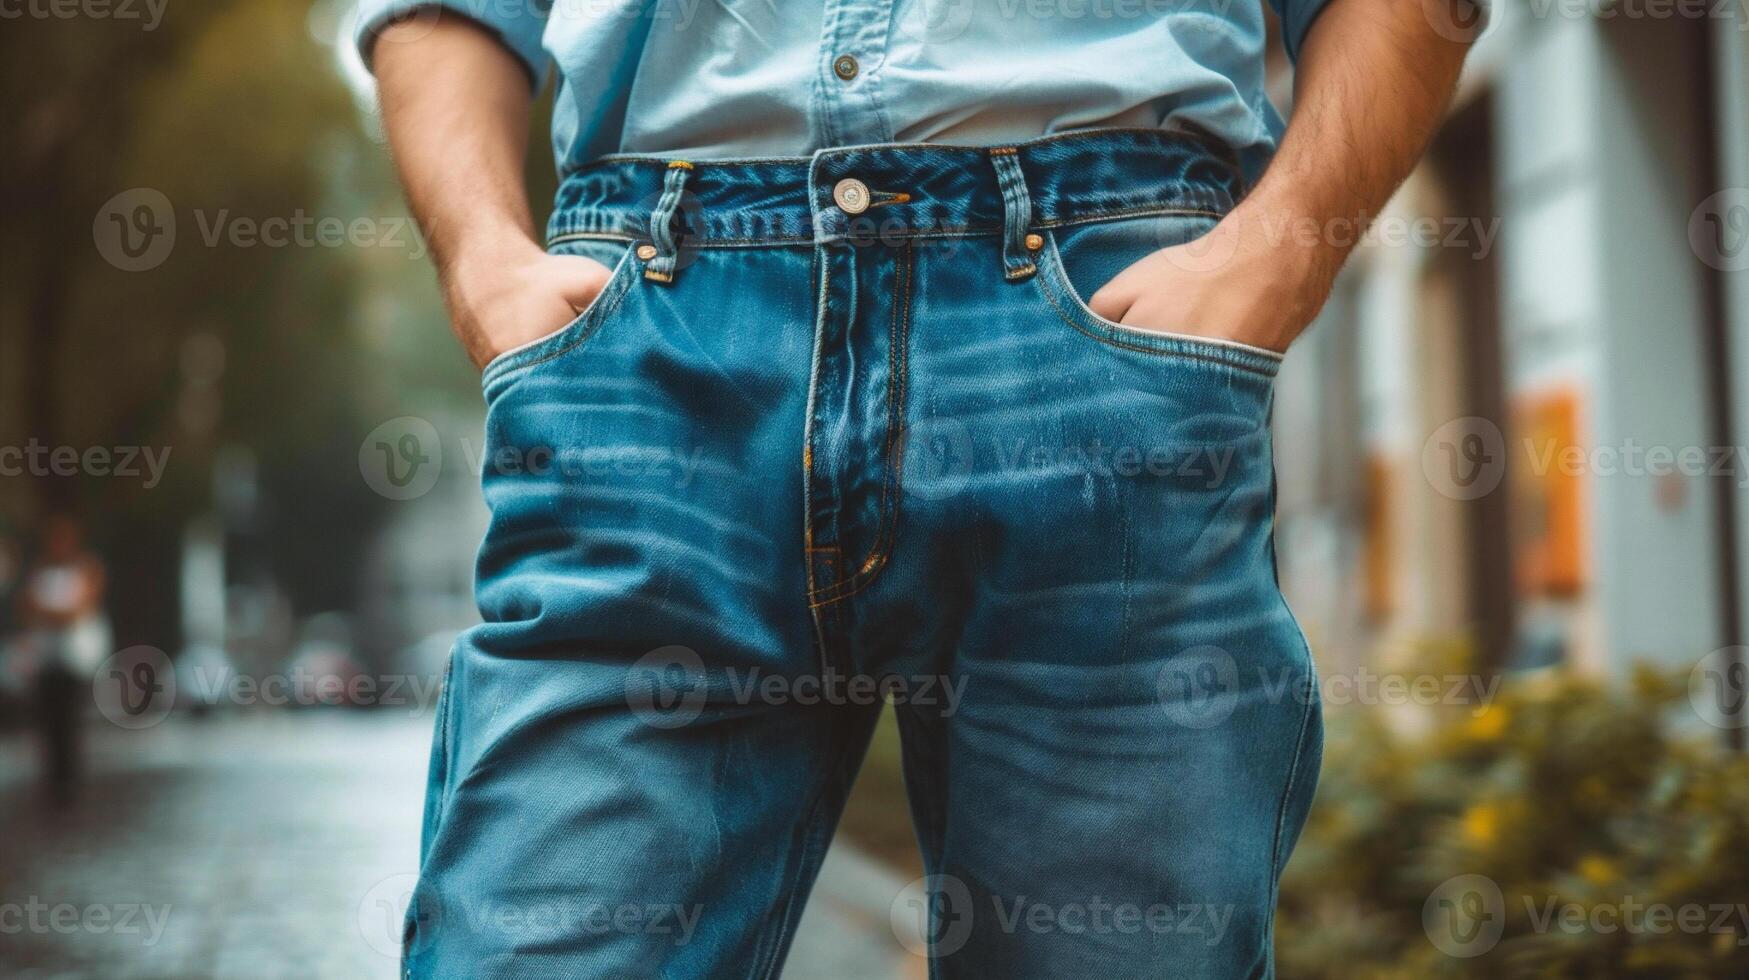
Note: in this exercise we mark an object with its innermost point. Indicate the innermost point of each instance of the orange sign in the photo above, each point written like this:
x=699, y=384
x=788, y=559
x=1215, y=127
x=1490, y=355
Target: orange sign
x=1548, y=494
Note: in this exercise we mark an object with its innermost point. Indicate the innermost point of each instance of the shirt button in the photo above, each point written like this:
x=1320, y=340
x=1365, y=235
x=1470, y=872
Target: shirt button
x=851, y=195
x=845, y=67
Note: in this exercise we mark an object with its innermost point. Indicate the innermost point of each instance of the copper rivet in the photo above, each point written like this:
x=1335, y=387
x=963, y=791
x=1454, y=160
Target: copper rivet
x=1035, y=242
x=646, y=252
x=845, y=67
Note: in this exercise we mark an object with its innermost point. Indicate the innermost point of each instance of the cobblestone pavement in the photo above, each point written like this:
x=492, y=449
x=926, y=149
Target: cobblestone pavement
x=280, y=844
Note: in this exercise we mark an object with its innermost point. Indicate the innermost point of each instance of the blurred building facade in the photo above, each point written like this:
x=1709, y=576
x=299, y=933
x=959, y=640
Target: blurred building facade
x=1513, y=428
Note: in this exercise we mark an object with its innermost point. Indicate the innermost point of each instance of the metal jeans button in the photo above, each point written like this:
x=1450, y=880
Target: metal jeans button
x=845, y=67
x=851, y=195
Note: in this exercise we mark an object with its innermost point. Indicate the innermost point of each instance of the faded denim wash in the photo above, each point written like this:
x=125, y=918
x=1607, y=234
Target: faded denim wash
x=791, y=449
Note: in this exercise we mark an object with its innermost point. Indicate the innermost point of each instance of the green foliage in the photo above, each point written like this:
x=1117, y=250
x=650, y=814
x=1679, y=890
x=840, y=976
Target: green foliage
x=1587, y=804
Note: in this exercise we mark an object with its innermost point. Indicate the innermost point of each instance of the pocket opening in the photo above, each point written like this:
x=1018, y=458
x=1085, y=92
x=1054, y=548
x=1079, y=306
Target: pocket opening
x=1062, y=293
x=503, y=363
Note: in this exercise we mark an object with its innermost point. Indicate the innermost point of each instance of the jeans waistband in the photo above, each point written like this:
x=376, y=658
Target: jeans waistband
x=892, y=192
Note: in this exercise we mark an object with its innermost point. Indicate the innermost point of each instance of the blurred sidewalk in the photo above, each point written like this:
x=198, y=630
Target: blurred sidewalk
x=270, y=845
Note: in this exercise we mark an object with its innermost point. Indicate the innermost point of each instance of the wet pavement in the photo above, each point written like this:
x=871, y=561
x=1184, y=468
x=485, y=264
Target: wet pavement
x=269, y=844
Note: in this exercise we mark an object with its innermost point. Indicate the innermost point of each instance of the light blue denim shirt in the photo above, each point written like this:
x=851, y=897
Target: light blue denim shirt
x=735, y=78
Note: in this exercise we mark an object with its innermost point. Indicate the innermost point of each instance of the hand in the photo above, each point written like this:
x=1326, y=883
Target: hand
x=501, y=300
x=1250, y=280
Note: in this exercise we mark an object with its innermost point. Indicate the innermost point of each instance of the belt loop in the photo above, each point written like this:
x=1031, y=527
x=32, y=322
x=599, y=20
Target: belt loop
x=1017, y=261
x=661, y=266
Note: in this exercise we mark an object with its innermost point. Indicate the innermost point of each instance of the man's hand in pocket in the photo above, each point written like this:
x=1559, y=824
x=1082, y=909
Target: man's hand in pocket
x=498, y=302
x=1249, y=280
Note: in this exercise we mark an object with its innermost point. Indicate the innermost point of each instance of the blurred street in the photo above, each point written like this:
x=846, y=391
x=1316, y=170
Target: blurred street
x=240, y=452
x=254, y=839
x=278, y=844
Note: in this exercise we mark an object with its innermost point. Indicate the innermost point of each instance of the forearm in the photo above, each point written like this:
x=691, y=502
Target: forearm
x=455, y=105
x=1373, y=82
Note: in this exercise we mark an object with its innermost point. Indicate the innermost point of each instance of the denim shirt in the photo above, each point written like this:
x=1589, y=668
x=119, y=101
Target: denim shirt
x=706, y=79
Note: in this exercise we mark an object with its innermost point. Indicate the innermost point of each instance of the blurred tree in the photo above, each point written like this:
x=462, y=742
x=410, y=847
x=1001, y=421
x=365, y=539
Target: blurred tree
x=230, y=120
x=291, y=313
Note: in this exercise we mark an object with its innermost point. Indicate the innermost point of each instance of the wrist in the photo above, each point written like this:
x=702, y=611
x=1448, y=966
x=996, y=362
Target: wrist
x=1307, y=241
x=1284, y=263
x=1302, y=248
x=484, y=255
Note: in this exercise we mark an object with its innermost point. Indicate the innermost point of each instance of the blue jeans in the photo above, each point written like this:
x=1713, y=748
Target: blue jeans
x=839, y=431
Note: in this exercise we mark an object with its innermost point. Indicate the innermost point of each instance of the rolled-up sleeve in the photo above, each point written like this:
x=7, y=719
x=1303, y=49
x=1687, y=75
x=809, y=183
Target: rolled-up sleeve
x=1456, y=20
x=518, y=24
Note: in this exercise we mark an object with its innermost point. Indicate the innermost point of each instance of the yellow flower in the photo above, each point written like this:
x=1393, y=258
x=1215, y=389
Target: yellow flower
x=1597, y=869
x=1481, y=824
x=1490, y=724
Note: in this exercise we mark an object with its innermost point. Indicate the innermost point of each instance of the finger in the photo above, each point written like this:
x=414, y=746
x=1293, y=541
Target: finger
x=577, y=278
x=1113, y=299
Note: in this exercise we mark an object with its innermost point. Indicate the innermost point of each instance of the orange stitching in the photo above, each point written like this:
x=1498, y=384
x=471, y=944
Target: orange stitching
x=898, y=197
x=900, y=315
x=889, y=535
x=808, y=452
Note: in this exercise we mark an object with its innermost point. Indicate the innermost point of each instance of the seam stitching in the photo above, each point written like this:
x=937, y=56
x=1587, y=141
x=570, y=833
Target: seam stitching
x=1210, y=357
x=1086, y=217
x=897, y=372
x=620, y=286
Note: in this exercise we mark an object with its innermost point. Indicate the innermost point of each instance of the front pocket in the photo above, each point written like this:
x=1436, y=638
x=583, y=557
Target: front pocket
x=577, y=330
x=1102, y=251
